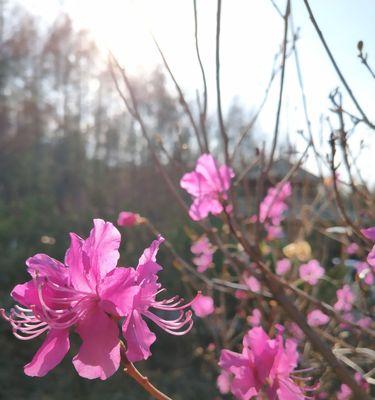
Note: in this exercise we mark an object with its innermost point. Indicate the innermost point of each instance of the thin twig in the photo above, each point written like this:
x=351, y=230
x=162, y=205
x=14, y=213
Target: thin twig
x=336, y=67
x=203, y=114
x=223, y=132
x=281, y=91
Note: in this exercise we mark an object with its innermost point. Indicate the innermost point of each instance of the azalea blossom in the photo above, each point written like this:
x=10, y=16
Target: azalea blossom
x=317, y=318
x=204, y=251
x=89, y=294
x=208, y=185
x=126, y=218
x=203, y=306
x=283, y=266
x=345, y=299
x=265, y=366
x=311, y=272
x=255, y=318
x=273, y=205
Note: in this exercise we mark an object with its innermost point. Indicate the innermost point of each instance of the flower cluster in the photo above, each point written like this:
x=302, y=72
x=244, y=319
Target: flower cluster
x=90, y=294
x=273, y=207
x=265, y=366
x=208, y=185
x=203, y=251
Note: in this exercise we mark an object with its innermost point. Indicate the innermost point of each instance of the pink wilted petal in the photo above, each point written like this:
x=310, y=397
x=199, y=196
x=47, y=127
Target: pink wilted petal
x=317, y=318
x=101, y=250
x=203, y=306
x=99, y=354
x=283, y=266
x=369, y=233
x=126, y=218
x=138, y=338
x=50, y=353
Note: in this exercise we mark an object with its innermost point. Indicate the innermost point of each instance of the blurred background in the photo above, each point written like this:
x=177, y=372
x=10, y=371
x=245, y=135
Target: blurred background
x=69, y=152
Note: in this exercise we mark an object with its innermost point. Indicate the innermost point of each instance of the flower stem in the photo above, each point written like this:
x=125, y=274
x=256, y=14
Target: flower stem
x=143, y=381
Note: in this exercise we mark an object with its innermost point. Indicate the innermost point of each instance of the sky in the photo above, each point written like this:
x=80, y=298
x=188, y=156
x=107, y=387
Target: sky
x=251, y=34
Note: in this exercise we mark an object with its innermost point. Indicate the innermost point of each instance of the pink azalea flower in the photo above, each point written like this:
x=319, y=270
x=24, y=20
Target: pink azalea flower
x=352, y=248
x=204, y=251
x=311, y=272
x=317, y=318
x=255, y=318
x=283, y=266
x=208, y=185
x=89, y=294
x=203, y=306
x=252, y=283
x=274, y=231
x=265, y=366
x=345, y=299
x=126, y=218
x=273, y=205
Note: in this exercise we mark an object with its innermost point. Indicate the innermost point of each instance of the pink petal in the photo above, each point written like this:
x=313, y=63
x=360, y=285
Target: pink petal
x=195, y=184
x=73, y=259
x=229, y=359
x=101, y=250
x=138, y=337
x=50, y=353
x=224, y=382
x=202, y=206
x=25, y=294
x=117, y=292
x=45, y=266
x=369, y=233
x=288, y=390
x=147, y=265
x=99, y=354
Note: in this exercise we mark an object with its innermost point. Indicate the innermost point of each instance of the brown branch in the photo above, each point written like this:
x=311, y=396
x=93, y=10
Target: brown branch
x=142, y=380
x=336, y=67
